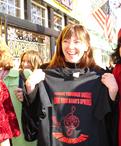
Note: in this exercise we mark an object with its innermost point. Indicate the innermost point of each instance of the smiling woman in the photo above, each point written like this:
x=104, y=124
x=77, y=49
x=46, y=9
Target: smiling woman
x=73, y=45
x=72, y=104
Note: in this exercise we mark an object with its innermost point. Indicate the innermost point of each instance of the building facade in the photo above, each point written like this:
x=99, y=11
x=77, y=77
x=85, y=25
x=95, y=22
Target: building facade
x=34, y=24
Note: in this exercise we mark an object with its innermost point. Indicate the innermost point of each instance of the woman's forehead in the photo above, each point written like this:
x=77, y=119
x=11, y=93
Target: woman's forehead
x=74, y=35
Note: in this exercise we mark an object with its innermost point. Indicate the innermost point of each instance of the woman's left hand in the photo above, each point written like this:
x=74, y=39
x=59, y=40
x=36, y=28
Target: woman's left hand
x=109, y=81
x=19, y=94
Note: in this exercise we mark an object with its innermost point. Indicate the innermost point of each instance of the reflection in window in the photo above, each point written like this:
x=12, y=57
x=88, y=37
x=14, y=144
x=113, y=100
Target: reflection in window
x=58, y=22
x=11, y=2
x=20, y=40
x=38, y=14
x=3, y=7
x=11, y=10
x=11, y=7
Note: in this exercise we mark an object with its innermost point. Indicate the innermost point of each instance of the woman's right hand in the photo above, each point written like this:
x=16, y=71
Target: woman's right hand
x=37, y=76
x=109, y=81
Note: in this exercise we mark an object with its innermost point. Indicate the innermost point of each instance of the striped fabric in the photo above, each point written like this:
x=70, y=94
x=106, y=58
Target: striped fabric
x=104, y=19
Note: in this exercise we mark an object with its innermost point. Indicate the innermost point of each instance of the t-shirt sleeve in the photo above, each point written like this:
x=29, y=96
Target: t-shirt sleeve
x=44, y=97
x=102, y=102
x=32, y=96
x=39, y=100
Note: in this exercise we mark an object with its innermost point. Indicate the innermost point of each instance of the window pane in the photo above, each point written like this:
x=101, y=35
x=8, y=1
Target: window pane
x=4, y=1
x=3, y=7
x=20, y=40
x=11, y=2
x=11, y=7
x=11, y=10
x=57, y=22
x=38, y=14
x=18, y=13
x=17, y=3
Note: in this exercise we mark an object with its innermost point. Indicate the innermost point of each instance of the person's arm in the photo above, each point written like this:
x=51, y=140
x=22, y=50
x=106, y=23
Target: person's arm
x=31, y=82
x=109, y=81
x=37, y=76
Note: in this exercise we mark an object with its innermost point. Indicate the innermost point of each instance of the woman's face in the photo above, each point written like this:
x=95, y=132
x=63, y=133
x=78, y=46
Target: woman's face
x=26, y=64
x=73, y=49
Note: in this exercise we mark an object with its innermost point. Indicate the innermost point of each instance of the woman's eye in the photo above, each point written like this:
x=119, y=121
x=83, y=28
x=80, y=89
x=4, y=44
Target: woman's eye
x=65, y=41
x=77, y=42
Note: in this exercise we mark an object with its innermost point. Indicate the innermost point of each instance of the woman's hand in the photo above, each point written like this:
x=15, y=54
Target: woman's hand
x=37, y=76
x=5, y=143
x=19, y=94
x=109, y=81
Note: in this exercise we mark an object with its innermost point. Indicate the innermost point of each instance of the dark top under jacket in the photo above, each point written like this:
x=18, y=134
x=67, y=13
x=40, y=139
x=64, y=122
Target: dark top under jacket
x=71, y=105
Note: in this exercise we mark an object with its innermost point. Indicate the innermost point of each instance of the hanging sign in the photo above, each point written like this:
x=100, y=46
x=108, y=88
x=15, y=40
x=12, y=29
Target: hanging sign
x=65, y=3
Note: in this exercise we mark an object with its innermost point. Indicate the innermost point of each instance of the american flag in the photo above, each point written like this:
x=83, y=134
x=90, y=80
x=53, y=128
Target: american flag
x=104, y=19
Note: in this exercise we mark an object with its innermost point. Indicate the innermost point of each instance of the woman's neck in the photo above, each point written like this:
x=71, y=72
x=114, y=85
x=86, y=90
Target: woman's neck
x=72, y=65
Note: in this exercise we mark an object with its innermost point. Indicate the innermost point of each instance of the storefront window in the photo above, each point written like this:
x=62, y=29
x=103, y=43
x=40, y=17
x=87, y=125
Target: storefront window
x=11, y=7
x=58, y=22
x=20, y=40
x=38, y=14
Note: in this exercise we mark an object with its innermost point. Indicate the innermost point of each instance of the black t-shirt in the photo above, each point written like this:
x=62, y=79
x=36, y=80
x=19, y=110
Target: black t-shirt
x=74, y=103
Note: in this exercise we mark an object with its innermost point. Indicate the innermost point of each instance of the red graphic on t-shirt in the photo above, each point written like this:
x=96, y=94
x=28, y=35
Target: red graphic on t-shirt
x=71, y=122
x=84, y=98
x=59, y=136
